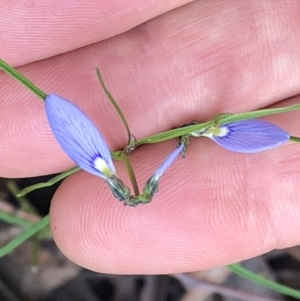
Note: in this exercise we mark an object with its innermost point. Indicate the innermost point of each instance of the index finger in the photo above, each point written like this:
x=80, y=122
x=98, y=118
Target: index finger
x=35, y=30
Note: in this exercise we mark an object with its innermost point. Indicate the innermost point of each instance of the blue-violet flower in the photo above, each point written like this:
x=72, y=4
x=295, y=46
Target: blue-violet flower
x=248, y=136
x=82, y=142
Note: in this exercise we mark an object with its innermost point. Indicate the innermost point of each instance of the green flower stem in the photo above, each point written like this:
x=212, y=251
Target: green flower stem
x=294, y=139
x=131, y=174
x=22, y=79
x=245, y=273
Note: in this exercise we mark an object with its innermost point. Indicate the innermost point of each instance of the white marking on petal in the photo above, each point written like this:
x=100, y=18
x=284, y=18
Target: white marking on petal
x=102, y=166
x=216, y=132
x=209, y=135
x=223, y=131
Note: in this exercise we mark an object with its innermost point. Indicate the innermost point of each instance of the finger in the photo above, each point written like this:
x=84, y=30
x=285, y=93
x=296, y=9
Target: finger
x=214, y=208
x=157, y=84
x=31, y=31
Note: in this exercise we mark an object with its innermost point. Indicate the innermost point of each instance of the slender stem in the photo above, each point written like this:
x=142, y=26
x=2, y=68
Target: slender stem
x=14, y=220
x=114, y=103
x=294, y=138
x=131, y=173
x=23, y=202
x=49, y=183
x=22, y=79
x=285, y=290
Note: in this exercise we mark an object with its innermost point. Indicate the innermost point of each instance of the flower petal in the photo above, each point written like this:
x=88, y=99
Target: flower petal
x=168, y=161
x=151, y=186
x=249, y=136
x=78, y=136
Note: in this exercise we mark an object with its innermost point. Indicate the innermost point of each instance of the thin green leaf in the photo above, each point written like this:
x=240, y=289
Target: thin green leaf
x=14, y=220
x=114, y=103
x=45, y=233
x=116, y=155
x=24, y=204
x=259, y=113
x=48, y=183
x=282, y=289
x=22, y=79
x=35, y=228
x=35, y=253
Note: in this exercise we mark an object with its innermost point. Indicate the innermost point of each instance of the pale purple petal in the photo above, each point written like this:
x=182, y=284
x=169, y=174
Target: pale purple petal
x=250, y=136
x=168, y=161
x=78, y=136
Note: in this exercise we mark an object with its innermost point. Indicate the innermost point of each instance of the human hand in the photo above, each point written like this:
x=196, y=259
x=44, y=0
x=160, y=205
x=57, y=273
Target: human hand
x=215, y=207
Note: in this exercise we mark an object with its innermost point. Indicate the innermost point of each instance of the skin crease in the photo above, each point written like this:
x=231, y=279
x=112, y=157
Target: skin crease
x=215, y=207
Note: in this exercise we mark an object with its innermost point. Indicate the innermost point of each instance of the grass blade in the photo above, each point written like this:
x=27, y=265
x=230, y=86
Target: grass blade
x=32, y=230
x=22, y=79
x=14, y=220
x=262, y=281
